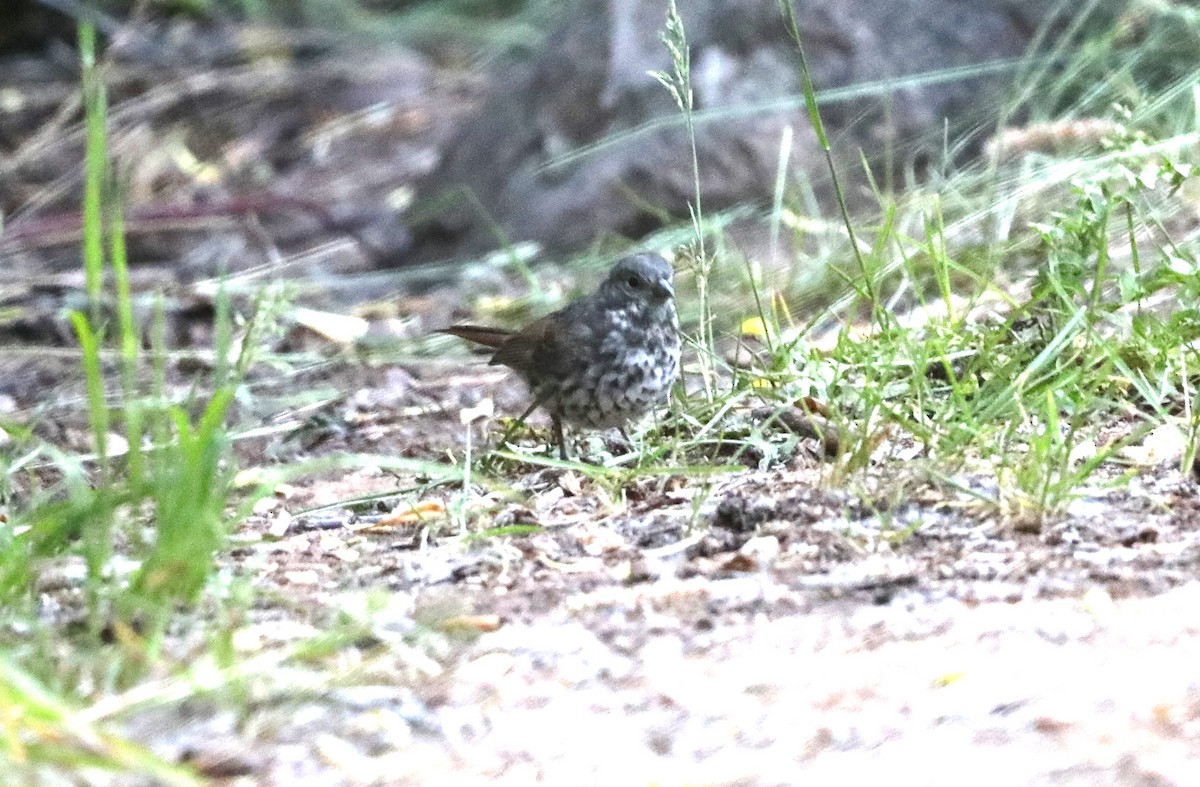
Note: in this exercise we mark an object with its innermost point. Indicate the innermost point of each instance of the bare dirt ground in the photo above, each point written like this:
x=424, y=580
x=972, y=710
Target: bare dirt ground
x=767, y=628
x=765, y=625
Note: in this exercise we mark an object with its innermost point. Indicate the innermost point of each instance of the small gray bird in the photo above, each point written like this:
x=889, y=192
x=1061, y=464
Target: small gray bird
x=603, y=360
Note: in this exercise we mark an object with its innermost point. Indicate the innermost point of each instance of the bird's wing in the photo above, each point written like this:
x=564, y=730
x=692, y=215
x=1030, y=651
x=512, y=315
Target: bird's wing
x=570, y=340
x=554, y=346
x=517, y=349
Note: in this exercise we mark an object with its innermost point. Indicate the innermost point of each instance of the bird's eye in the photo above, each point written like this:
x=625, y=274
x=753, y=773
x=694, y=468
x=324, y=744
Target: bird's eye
x=634, y=282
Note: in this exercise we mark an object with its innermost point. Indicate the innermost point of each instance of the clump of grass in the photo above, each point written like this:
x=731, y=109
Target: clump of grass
x=161, y=504
x=1012, y=330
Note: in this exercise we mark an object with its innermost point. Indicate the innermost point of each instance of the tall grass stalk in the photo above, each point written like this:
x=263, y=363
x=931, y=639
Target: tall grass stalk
x=130, y=341
x=814, y=115
x=95, y=169
x=95, y=102
x=678, y=84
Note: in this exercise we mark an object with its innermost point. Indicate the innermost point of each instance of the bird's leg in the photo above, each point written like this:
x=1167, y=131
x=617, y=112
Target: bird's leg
x=558, y=436
x=558, y=430
x=508, y=433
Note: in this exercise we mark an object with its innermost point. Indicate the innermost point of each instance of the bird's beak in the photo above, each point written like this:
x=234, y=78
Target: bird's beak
x=664, y=288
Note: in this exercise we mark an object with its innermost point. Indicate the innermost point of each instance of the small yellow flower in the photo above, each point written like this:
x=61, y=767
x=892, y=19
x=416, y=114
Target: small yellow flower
x=754, y=326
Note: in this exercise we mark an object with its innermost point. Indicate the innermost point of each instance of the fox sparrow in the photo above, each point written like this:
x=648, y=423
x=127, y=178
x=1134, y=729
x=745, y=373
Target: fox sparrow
x=604, y=359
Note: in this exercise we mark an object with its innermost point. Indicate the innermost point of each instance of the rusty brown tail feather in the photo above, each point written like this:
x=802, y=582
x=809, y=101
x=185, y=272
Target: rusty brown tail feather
x=488, y=337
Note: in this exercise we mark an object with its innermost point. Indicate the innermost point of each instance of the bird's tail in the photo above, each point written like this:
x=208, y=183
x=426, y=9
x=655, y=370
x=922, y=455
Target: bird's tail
x=488, y=337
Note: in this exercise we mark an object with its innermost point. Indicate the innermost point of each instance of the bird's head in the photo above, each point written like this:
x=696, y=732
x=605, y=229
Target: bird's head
x=641, y=278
